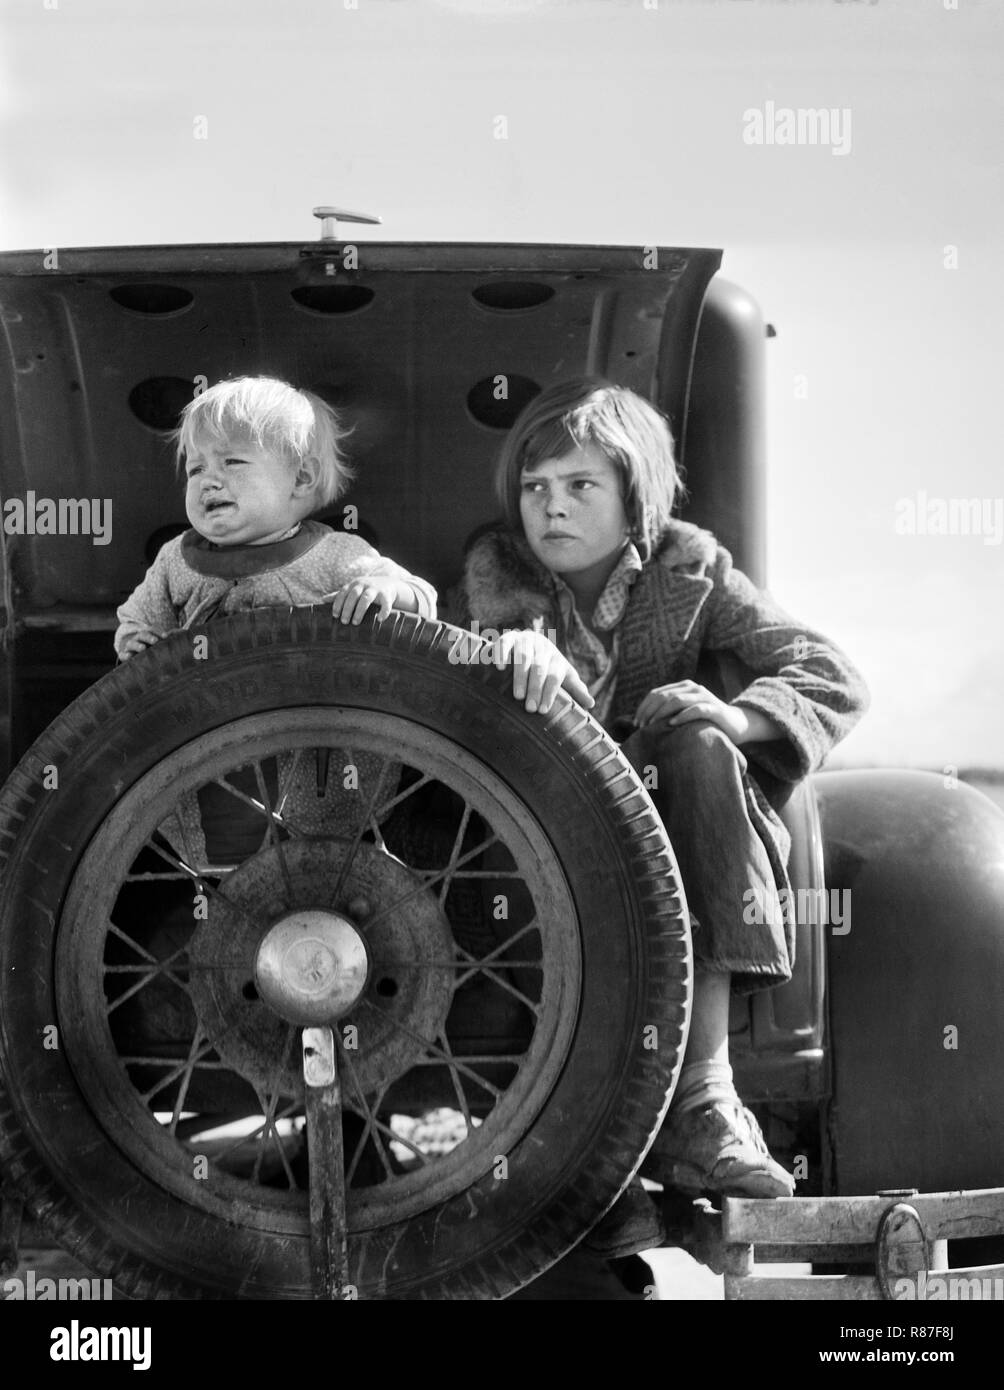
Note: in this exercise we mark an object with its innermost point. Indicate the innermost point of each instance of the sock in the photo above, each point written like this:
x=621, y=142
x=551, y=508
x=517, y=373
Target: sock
x=704, y=1083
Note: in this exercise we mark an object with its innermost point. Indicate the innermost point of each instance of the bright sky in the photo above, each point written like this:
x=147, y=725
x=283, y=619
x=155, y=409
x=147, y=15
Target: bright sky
x=625, y=123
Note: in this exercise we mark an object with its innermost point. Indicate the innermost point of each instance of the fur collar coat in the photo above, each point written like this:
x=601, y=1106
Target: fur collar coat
x=691, y=615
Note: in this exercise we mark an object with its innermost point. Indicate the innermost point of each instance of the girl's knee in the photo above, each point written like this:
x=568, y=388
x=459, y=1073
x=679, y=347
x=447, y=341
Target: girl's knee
x=697, y=752
x=698, y=740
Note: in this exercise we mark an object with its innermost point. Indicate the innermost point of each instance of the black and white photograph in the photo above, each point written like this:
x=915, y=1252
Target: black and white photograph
x=501, y=667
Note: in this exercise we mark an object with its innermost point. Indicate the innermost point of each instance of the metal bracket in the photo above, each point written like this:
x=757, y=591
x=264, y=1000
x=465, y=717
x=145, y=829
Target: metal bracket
x=329, y=1256
x=327, y=247
x=901, y=1246
x=330, y=216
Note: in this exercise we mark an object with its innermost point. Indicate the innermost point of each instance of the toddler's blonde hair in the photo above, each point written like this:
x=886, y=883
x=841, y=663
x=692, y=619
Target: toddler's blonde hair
x=293, y=424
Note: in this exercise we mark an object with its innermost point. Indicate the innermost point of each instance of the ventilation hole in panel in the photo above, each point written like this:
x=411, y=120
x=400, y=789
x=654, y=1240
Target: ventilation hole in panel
x=497, y=400
x=152, y=299
x=333, y=299
x=158, y=401
x=507, y=296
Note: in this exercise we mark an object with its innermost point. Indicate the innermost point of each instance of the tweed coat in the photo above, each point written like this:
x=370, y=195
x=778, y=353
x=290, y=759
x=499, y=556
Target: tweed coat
x=692, y=615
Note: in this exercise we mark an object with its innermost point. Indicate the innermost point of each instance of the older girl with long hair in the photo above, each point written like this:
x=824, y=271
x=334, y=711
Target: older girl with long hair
x=706, y=678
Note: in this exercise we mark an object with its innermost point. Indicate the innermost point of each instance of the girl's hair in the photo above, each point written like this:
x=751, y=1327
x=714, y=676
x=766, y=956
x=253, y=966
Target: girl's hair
x=274, y=415
x=630, y=432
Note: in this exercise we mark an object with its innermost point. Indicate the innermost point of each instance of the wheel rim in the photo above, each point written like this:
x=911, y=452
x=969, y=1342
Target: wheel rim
x=104, y=968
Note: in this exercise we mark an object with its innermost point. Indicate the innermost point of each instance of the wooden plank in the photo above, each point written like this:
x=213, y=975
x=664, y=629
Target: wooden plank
x=974, y=1284
x=819, y=1253
x=854, y=1220
x=850, y=1288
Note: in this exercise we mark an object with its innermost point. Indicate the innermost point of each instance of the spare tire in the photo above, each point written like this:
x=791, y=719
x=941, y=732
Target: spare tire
x=528, y=977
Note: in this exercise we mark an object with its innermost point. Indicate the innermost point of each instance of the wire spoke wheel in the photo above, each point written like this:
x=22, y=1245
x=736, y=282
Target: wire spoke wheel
x=330, y=828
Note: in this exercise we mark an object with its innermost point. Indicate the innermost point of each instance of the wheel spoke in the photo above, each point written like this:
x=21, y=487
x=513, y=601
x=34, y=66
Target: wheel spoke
x=133, y=945
x=430, y=963
x=458, y=844
x=369, y=1126
x=426, y=881
x=283, y=1114
x=147, y=1060
x=205, y=886
x=184, y=876
x=269, y=1104
x=481, y=966
x=432, y=1047
x=272, y=816
x=273, y=833
x=288, y=781
x=158, y=970
x=489, y=1058
x=201, y=1054
x=388, y=806
x=186, y=1080
x=502, y=984
x=468, y=963
x=455, y=1079
x=374, y=1129
x=329, y=1243
x=380, y=1128
x=363, y=825
x=505, y=945
x=489, y=873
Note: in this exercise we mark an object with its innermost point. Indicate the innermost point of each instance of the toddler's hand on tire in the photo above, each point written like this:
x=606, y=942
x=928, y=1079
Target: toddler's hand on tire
x=353, y=601
x=138, y=642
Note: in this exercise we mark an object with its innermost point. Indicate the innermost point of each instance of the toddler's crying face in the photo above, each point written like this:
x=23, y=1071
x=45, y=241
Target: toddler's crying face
x=241, y=493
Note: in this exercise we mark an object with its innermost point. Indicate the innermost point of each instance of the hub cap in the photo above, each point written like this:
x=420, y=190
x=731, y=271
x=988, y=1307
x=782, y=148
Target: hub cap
x=312, y=966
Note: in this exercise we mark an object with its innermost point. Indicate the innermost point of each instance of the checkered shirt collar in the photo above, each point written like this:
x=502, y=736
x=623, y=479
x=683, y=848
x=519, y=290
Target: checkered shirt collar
x=611, y=603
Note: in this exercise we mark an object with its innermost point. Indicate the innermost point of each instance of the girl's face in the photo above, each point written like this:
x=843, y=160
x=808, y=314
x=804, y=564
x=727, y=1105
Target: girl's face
x=572, y=510
x=241, y=494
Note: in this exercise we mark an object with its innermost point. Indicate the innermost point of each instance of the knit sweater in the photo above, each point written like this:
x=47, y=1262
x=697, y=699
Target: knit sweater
x=192, y=580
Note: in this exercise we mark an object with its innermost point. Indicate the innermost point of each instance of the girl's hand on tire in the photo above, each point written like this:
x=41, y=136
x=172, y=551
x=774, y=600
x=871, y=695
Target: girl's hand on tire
x=539, y=671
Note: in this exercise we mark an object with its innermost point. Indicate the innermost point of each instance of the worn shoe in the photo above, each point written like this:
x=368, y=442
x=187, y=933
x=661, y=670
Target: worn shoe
x=632, y=1224
x=717, y=1148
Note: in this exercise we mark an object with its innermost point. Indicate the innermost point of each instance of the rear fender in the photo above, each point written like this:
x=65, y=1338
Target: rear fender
x=916, y=1024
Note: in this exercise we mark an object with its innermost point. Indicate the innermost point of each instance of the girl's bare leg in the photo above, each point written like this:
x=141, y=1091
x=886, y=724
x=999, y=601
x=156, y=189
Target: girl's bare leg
x=709, y=1025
